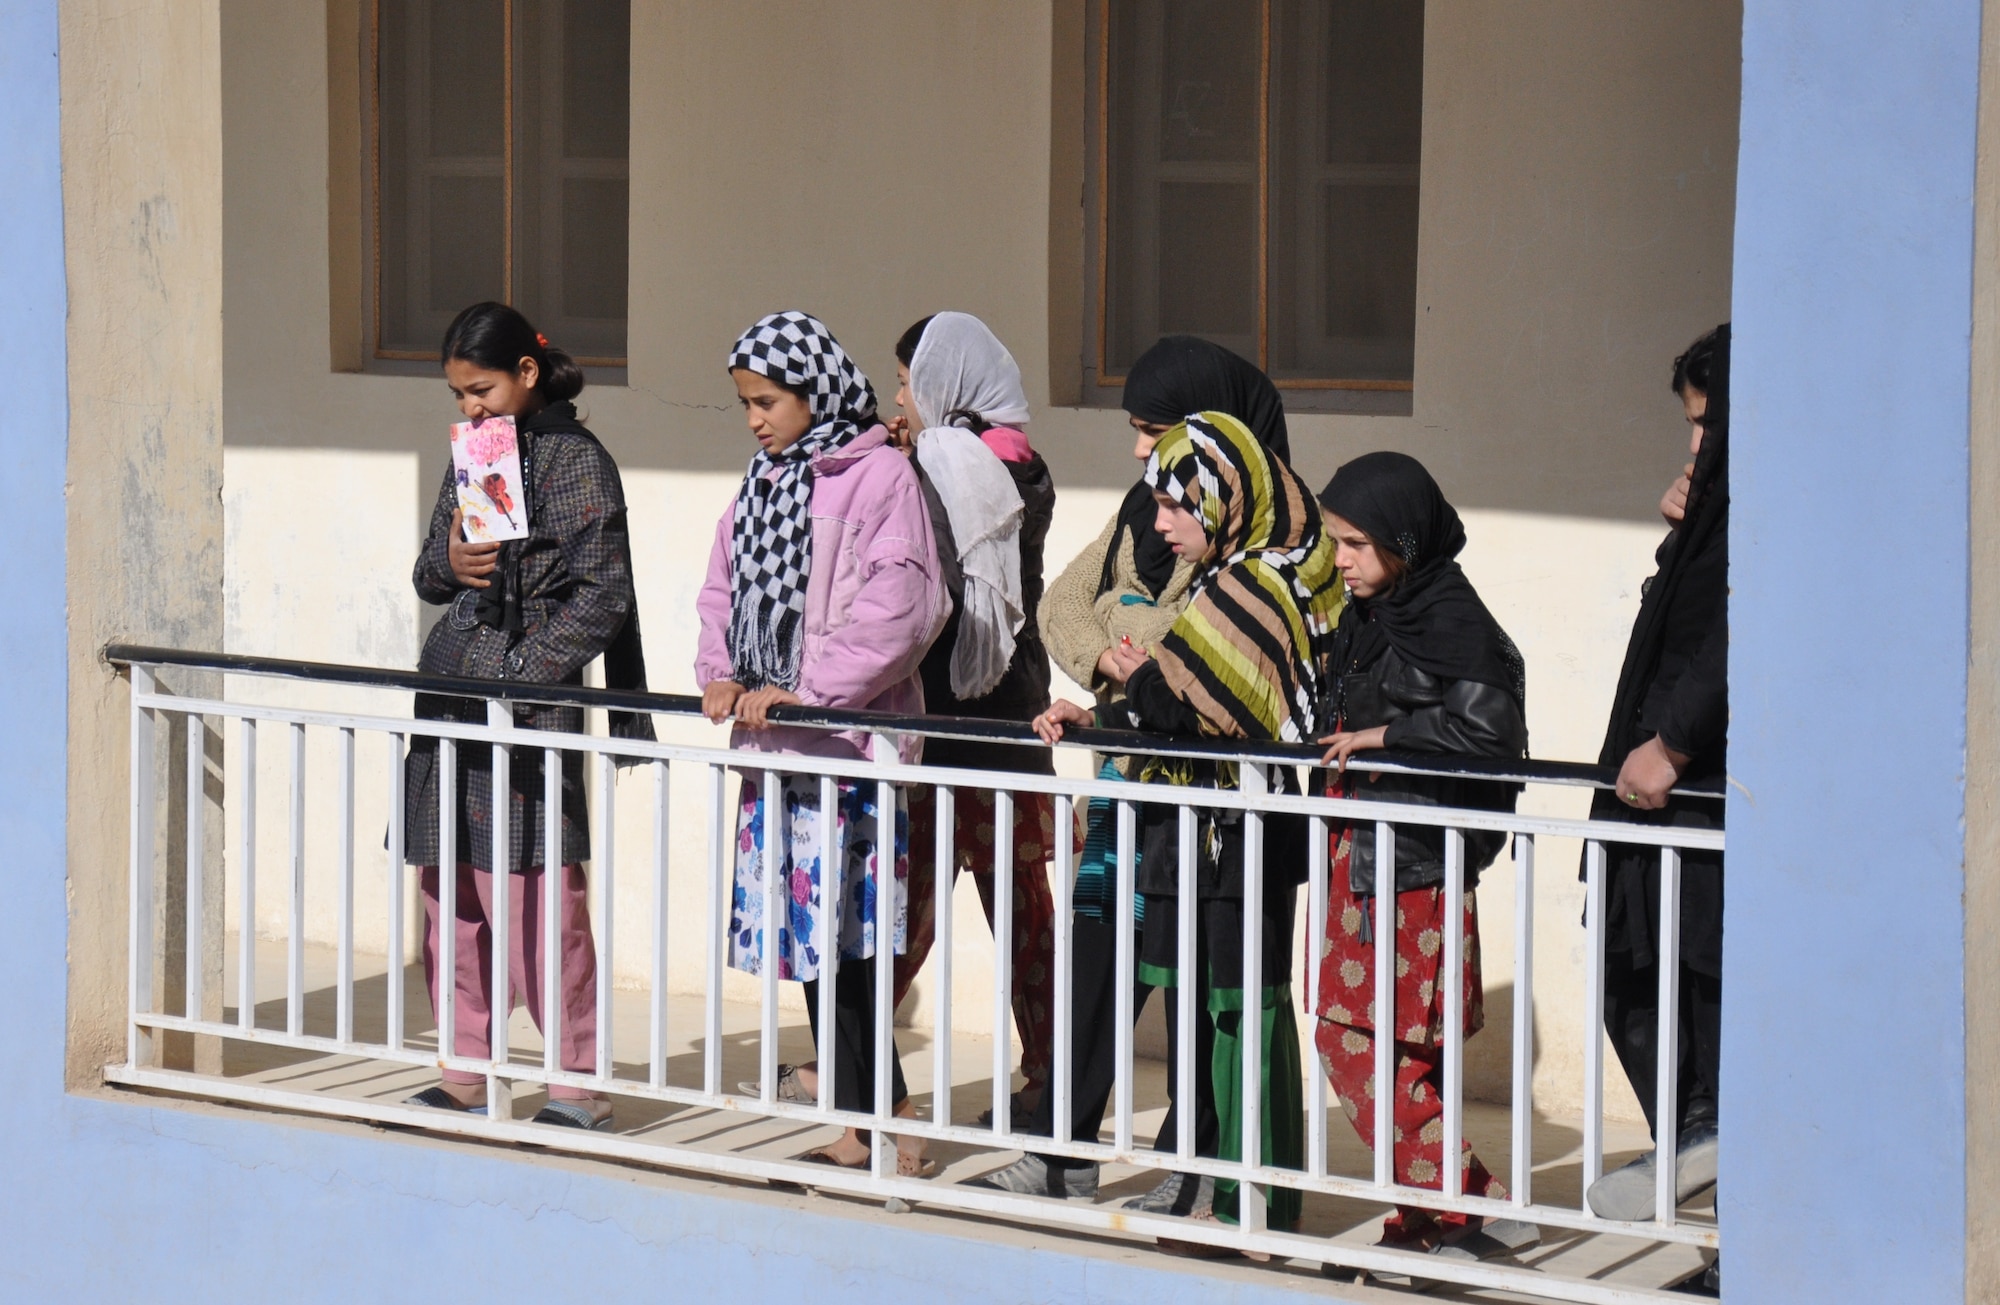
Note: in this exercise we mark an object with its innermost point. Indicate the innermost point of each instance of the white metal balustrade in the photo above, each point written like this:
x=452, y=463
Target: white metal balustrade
x=247, y=726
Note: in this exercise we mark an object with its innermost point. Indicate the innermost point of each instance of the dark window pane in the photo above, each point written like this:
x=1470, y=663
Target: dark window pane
x=1208, y=249
x=597, y=78
x=1181, y=236
x=467, y=93
x=1208, y=79
x=1370, y=261
x=1346, y=149
x=467, y=242
x=1374, y=100
x=594, y=253
x=440, y=122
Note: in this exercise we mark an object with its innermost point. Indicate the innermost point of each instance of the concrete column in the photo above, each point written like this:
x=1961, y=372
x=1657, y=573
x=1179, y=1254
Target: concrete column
x=142, y=193
x=1982, y=711
x=1844, y=1103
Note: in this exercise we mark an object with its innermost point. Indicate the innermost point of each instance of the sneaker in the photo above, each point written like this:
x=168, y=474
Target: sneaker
x=1494, y=1239
x=1033, y=1176
x=1184, y=1195
x=1628, y=1193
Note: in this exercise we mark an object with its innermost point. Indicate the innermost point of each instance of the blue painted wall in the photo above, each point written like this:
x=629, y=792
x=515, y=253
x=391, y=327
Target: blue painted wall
x=1843, y=1063
x=105, y=1199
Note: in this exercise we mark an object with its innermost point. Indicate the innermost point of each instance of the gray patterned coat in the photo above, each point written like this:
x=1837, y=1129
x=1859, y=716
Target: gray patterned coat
x=572, y=578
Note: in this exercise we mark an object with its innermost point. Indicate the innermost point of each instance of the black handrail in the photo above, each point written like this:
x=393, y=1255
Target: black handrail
x=1571, y=773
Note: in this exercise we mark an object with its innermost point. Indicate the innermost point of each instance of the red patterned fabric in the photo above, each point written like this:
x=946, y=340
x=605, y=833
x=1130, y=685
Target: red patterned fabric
x=1345, y=1036
x=1034, y=906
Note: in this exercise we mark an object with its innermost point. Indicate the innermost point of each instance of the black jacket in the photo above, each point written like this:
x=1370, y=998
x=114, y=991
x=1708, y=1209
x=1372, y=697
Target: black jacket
x=1023, y=693
x=1677, y=671
x=1427, y=714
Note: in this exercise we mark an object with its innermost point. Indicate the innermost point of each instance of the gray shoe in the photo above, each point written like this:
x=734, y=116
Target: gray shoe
x=1178, y=1194
x=1628, y=1193
x=1032, y=1176
x=1495, y=1239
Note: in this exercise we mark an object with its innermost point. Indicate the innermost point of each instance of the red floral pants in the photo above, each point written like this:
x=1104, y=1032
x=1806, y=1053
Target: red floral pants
x=1034, y=906
x=1346, y=1037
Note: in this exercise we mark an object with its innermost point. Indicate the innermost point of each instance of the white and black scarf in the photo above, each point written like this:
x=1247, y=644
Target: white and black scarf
x=772, y=535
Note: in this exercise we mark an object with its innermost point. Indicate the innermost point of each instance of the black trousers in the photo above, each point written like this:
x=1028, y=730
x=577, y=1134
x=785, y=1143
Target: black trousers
x=1094, y=1051
x=853, y=1057
x=1632, y=1019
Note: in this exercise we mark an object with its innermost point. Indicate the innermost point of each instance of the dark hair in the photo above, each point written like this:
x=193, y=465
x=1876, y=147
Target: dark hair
x=1693, y=369
x=496, y=337
x=906, y=353
x=906, y=347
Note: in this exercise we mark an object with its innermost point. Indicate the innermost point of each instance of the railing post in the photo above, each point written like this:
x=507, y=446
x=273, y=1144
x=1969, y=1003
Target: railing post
x=1252, y=1201
x=656, y=1069
x=1666, y=1107
x=1452, y=1169
x=1593, y=1018
x=1065, y=886
x=1385, y=1003
x=883, y=748
x=500, y=921
x=140, y=1042
x=1524, y=1019
x=944, y=842
x=1003, y=959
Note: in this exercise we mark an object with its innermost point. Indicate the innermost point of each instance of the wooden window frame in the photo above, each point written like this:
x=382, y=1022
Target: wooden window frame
x=1101, y=386
x=508, y=197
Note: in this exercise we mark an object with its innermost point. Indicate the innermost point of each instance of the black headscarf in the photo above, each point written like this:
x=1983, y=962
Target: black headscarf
x=1176, y=378
x=1432, y=616
x=1707, y=516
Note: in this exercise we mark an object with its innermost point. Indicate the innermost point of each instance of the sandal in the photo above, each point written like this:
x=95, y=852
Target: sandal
x=438, y=1099
x=569, y=1114
x=789, y=1089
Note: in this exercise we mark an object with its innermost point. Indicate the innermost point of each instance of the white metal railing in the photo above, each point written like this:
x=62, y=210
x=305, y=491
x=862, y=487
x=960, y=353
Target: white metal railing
x=254, y=724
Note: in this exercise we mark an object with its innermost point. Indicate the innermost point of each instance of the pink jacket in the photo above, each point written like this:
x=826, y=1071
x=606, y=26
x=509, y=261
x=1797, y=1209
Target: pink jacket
x=874, y=604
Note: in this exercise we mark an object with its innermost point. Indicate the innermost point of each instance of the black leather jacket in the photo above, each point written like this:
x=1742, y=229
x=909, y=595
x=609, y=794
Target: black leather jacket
x=1427, y=714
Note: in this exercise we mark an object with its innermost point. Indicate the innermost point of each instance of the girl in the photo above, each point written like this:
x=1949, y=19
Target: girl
x=991, y=501
x=822, y=589
x=1127, y=588
x=536, y=610
x=1240, y=662
x=1418, y=665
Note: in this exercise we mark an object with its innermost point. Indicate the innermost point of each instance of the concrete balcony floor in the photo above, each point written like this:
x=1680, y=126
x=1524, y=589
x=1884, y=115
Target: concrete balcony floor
x=1623, y=1260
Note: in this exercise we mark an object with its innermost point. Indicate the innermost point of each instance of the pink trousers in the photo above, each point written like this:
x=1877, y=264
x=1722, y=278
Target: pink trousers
x=473, y=957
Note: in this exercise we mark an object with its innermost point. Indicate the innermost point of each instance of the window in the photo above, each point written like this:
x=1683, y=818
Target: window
x=1254, y=181
x=501, y=132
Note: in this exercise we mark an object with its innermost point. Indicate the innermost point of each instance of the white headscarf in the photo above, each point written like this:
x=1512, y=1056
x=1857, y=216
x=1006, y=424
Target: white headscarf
x=959, y=370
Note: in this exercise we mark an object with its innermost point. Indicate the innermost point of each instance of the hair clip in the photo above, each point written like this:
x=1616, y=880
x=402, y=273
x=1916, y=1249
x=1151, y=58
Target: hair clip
x=541, y=339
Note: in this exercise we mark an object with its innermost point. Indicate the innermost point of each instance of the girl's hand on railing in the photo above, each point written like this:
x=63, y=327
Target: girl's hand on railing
x=1344, y=745
x=1049, y=725
x=753, y=708
x=470, y=563
x=719, y=699
x=1648, y=774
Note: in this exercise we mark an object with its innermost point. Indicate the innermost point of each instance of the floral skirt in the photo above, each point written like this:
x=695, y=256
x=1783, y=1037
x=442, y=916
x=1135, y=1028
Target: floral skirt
x=788, y=846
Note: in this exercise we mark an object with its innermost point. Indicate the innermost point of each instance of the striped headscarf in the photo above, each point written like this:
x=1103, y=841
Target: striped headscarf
x=1247, y=651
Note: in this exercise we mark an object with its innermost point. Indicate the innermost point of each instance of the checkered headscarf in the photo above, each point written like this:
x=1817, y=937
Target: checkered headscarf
x=772, y=535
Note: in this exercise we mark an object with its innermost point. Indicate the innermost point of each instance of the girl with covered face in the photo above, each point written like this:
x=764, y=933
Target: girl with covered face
x=1418, y=665
x=822, y=590
x=1240, y=663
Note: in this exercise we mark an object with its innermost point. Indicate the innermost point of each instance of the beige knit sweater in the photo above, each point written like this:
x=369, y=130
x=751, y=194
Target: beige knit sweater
x=1078, y=623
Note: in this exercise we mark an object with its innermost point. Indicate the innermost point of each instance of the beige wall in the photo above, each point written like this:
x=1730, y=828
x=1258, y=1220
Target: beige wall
x=875, y=160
